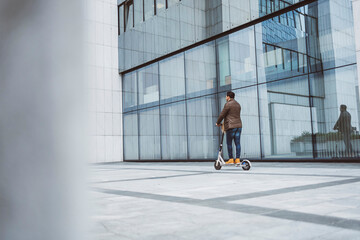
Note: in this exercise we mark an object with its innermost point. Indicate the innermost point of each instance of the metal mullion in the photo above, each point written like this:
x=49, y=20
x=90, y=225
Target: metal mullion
x=275, y=56
x=186, y=113
x=118, y=17
x=124, y=9
x=143, y=10
x=313, y=138
x=154, y=7
x=258, y=97
x=137, y=111
x=123, y=115
x=160, y=132
x=283, y=57
x=217, y=100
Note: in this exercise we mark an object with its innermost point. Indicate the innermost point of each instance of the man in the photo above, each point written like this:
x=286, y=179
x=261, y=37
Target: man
x=343, y=124
x=232, y=125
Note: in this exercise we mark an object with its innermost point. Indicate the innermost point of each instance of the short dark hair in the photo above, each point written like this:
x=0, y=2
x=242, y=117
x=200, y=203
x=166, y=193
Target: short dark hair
x=230, y=94
x=343, y=106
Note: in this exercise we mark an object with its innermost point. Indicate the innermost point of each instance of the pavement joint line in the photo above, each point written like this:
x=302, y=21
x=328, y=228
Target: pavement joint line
x=285, y=190
x=237, y=171
x=163, y=170
x=338, y=222
x=247, y=209
x=230, y=171
x=203, y=173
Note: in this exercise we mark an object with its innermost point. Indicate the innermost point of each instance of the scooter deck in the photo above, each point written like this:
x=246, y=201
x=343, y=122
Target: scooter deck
x=232, y=164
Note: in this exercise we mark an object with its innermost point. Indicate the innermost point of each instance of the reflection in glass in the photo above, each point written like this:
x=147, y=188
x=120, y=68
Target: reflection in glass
x=290, y=74
x=284, y=116
x=326, y=101
x=160, y=5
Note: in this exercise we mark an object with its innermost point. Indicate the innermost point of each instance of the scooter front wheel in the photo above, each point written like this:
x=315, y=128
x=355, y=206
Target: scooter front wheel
x=217, y=165
x=246, y=165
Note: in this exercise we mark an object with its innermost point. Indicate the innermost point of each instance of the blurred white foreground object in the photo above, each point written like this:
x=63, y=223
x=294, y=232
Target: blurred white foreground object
x=41, y=120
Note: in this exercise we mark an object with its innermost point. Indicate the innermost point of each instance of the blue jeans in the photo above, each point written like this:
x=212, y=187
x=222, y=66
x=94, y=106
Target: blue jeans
x=231, y=134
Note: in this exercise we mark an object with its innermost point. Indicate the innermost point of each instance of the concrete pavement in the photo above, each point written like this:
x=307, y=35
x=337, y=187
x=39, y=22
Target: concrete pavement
x=194, y=201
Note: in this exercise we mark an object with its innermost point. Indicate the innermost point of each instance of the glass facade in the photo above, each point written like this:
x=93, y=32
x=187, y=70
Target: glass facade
x=290, y=75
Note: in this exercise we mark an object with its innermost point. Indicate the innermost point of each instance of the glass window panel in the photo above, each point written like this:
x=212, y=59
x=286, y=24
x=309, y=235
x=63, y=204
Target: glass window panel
x=203, y=135
x=173, y=131
x=287, y=59
x=200, y=66
x=302, y=22
x=138, y=11
x=279, y=57
x=271, y=57
x=295, y=61
x=172, y=79
x=284, y=117
x=301, y=62
x=336, y=31
x=149, y=134
x=172, y=2
x=148, y=79
x=297, y=20
x=148, y=8
x=130, y=92
x=242, y=58
x=223, y=61
x=131, y=138
x=121, y=18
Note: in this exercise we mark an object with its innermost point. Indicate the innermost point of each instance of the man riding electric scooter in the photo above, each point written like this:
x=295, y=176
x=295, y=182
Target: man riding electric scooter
x=232, y=125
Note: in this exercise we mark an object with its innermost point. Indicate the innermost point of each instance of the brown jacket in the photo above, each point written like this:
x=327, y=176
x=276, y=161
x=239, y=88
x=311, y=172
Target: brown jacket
x=231, y=115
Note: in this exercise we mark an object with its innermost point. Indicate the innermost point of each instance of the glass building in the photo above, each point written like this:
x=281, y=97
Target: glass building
x=291, y=65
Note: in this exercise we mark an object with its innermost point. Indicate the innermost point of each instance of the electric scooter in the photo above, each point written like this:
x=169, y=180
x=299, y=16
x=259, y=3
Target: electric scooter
x=219, y=162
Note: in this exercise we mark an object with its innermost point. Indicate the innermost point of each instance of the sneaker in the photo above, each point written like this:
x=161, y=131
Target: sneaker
x=231, y=161
x=237, y=161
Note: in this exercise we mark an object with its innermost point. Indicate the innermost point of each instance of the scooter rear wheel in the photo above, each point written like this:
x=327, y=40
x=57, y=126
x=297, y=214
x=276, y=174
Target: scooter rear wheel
x=217, y=165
